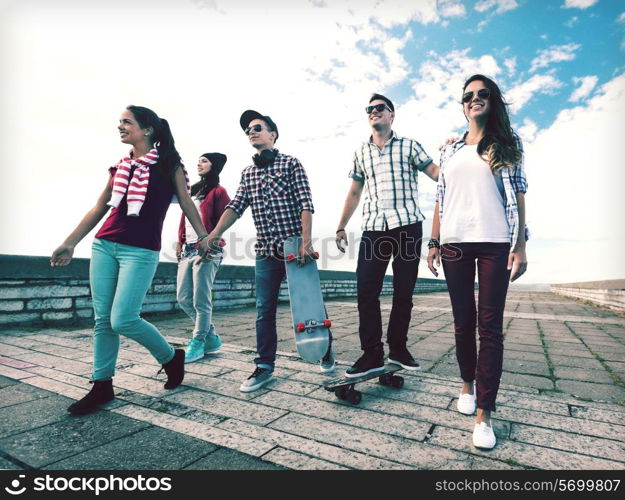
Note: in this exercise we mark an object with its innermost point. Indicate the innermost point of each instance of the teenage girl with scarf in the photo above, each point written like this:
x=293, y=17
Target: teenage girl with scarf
x=195, y=279
x=479, y=216
x=125, y=250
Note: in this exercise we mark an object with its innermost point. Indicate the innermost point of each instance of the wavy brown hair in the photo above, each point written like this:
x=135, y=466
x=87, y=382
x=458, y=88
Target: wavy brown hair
x=500, y=144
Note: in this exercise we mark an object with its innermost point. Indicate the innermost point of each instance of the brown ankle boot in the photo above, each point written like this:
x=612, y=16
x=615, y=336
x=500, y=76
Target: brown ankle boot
x=100, y=393
x=174, y=370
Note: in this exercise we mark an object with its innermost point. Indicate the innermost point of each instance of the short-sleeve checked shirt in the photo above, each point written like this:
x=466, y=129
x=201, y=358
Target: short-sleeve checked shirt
x=277, y=193
x=514, y=181
x=390, y=181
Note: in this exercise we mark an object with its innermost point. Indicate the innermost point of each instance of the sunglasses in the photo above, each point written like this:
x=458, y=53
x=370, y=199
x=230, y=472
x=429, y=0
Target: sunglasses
x=482, y=94
x=378, y=107
x=255, y=128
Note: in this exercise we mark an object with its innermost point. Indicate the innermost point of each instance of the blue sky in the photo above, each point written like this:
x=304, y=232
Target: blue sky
x=70, y=67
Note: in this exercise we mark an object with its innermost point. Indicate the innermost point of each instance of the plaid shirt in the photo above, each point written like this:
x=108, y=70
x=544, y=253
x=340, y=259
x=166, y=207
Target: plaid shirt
x=277, y=194
x=391, y=185
x=514, y=181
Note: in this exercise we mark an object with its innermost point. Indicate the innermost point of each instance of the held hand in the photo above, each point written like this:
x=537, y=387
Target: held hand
x=434, y=260
x=517, y=263
x=62, y=256
x=341, y=237
x=207, y=248
x=305, y=252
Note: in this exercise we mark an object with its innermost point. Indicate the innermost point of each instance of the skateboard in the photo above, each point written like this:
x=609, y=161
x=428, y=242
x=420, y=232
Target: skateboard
x=310, y=320
x=343, y=387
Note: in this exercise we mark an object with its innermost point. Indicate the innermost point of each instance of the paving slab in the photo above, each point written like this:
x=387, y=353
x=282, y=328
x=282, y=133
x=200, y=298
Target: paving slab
x=561, y=402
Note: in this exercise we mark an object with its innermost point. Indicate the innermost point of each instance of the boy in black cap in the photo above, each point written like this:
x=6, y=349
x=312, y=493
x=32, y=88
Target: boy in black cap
x=277, y=189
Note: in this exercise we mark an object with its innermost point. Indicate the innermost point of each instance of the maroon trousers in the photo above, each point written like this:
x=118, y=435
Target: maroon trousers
x=459, y=261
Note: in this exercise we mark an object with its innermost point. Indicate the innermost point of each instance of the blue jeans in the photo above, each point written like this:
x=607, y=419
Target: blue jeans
x=269, y=273
x=194, y=292
x=120, y=276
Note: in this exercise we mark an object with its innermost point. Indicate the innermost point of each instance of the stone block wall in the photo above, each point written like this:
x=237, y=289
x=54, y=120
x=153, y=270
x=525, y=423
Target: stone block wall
x=609, y=293
x=33, y=293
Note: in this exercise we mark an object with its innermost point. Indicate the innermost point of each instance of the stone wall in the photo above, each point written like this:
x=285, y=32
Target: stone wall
x=32, y=292
x=609, y=293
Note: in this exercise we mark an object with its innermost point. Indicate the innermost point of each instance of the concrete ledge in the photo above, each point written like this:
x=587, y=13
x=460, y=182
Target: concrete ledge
x=33, y=293
x=609, y=293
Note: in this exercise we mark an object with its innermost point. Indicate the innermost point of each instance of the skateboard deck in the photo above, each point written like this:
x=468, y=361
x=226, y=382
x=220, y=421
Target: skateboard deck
x=343, y=387
x=311, y=325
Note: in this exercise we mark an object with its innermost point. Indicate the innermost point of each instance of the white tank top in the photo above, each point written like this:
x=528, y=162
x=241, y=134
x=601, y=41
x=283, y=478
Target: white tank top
x=474, y=205
x=190, y=234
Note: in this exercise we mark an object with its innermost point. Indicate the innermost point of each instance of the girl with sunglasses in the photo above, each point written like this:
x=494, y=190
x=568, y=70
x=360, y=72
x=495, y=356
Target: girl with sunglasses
x=125, y=251
x=479, y=217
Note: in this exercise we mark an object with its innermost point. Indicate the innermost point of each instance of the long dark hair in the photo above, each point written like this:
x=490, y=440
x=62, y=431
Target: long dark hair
x=210, y=180
x=500, y=144
x=168, y=157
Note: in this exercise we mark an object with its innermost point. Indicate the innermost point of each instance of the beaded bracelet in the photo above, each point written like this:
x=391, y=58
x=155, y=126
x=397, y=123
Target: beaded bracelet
x=434, y=243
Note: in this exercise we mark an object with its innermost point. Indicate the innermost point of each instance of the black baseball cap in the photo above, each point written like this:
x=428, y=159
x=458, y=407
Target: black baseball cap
x=250, y=115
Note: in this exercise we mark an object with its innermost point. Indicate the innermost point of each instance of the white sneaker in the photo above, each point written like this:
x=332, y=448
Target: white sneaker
x=467, y=403
x=483, y=436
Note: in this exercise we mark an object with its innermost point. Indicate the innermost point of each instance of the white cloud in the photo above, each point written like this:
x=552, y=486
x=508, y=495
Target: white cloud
x=528, y=130
x=521, y=94
x=510, y=64
x=574, y=197
x=621, y=18
x=572, y=22
x=579, y=4
x=502, y=5
x=555, y=53
x=586, y=85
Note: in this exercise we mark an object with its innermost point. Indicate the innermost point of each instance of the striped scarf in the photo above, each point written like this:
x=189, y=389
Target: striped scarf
x=136, y=187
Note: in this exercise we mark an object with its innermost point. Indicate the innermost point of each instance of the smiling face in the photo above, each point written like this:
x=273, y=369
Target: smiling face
x=380, y=120
x=204, y=165
x=477, y=108
x=130, y=132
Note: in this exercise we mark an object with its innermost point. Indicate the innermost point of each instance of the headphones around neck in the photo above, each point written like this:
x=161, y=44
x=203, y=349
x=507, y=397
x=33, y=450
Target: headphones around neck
x=265, y=158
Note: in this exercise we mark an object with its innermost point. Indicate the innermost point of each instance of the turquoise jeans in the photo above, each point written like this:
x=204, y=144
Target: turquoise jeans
x=120, y=276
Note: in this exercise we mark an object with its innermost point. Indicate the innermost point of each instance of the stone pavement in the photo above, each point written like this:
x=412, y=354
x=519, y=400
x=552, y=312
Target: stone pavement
x=561, y=403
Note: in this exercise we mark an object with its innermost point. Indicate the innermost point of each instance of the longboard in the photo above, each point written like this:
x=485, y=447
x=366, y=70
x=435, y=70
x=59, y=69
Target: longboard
x=343, y=387
x=311, y=325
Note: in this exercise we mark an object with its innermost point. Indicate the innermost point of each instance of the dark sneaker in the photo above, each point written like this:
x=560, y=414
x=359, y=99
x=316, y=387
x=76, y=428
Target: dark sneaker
x=403, y=359
x=256, y=380
x=365, y=365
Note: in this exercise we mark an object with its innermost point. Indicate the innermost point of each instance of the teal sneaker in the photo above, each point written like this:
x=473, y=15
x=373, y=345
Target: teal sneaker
x=195, y=350
x=327, y=364
x=212, y=345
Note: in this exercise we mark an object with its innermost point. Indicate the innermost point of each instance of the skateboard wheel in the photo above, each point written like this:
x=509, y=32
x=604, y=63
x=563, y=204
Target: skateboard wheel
x=316, y=255
x=300, y=327
x=354, y=397
x=290, y=257
x=327, y=323
x=385, y=379
x=341, y=392
x=397, y=382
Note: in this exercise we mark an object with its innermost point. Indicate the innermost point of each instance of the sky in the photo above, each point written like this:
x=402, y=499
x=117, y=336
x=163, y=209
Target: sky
x=71, y=67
